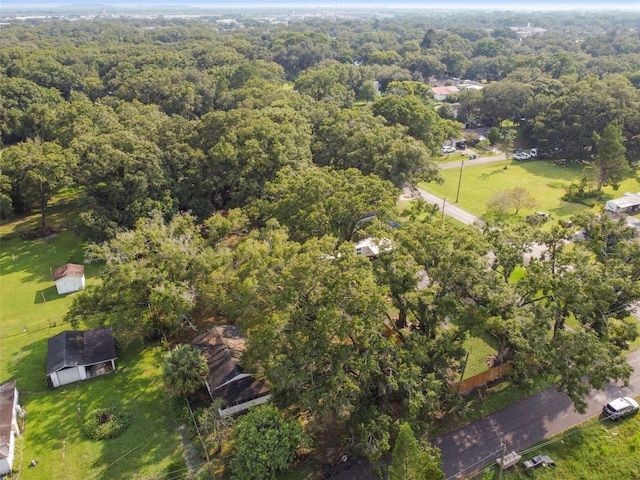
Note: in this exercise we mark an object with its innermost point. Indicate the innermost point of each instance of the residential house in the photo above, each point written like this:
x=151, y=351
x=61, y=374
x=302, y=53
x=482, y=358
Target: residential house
x=222, y=347
x=77, y=355
x=441, y=93
x=371, y=248
x=9, y=429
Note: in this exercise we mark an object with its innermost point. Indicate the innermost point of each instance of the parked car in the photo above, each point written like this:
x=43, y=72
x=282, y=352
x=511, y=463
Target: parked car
x=537, y=218
x=620, y=407
x=448, y=149
x=544, y=460
x=533, y=152
x=522, y=156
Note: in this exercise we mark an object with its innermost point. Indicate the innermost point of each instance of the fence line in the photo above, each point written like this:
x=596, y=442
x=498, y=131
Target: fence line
x=16, y=329
x=494, y=373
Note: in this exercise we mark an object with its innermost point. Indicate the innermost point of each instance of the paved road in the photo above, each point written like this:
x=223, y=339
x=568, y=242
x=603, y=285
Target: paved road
x=450, y=209
x=477, y=161
x=539, y=417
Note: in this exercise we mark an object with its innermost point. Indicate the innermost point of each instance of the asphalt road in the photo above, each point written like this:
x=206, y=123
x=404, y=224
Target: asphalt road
x=539, y=417
x=450, y=209
x=476, y=161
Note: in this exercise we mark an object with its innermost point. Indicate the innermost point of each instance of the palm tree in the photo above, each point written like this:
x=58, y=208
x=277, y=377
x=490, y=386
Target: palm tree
x=185, y=370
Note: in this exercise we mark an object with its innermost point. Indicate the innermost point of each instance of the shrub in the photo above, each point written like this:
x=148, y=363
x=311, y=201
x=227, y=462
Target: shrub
x=106, y=423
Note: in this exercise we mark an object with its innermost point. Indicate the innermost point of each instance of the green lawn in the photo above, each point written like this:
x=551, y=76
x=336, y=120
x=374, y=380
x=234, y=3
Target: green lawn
x=451, y=157
x=52, y=433
x=30, y=312
x=480, y=348
x=545, y=180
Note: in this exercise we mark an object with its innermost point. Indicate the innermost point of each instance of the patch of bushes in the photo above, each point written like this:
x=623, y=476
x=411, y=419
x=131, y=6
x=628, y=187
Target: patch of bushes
x=106, y=423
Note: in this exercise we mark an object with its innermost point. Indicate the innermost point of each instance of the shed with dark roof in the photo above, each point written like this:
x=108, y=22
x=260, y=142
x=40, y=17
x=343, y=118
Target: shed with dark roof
x=9, y=430
x=69, y=278
x=77, y=355
x=221, y=347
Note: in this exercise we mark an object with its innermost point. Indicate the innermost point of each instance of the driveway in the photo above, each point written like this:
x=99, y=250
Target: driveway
x=539, y=417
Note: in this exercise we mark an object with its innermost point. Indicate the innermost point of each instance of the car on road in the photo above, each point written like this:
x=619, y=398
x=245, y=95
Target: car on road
x=522, y=156
x=620, y=407
x=448, y=149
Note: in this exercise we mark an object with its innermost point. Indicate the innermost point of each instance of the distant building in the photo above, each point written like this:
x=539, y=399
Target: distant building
x=441, y=93
x=371, y=248
x=469, y=85
x=629, y=203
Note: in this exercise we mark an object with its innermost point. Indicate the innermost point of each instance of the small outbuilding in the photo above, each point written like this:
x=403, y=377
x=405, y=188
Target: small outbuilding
x=9, y=429
x=77, y=355
x=222, y=347
x=69, y=278
x=371, y=248
x=629, y=203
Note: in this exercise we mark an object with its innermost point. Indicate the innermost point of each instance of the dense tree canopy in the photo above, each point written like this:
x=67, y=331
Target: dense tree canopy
x=320, y=201
x=265, y=443
x=228, y=171
x=36, y=171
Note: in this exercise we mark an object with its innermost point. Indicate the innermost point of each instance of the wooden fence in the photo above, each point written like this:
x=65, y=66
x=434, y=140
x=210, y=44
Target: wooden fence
x=494, y=373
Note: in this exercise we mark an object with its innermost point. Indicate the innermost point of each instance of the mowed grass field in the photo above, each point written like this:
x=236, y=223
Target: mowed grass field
x=546, y=181
x=31, y=311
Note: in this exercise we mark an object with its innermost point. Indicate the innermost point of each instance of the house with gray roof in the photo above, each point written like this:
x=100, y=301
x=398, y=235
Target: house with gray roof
x=222, y=347
x=9, y=429
x=77, y=355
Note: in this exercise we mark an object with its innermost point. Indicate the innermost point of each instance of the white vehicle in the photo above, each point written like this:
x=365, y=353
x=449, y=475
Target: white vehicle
x=522, y=156
x=620, y=407
x=448, y=149
x=533, y=152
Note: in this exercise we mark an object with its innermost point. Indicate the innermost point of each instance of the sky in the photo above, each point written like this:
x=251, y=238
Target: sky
x=373, y=4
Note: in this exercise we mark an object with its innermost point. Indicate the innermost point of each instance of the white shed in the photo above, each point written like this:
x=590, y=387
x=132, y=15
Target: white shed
x=69, y=278
x=9, y=430
x=371, y=248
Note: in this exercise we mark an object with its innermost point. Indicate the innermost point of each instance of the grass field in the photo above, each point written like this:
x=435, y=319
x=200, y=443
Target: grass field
x=31, y=311
x=545, y=180
x=52, y=436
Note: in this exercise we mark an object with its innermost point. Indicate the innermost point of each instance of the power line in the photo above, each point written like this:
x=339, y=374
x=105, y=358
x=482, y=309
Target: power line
x=120, y=458
x=474, y=464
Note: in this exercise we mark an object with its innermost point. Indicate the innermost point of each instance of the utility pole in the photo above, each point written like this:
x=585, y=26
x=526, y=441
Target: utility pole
x=460, y=179
x=444, y=201
x=504, y=450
